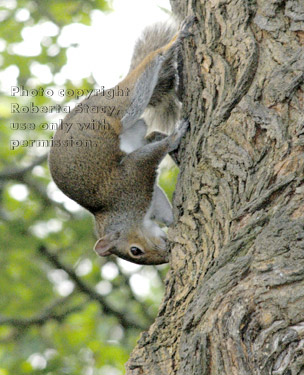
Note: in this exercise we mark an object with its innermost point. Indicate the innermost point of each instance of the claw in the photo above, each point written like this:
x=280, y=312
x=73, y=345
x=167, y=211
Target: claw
x=178, y=134
x=185, y=25
x=183, y=127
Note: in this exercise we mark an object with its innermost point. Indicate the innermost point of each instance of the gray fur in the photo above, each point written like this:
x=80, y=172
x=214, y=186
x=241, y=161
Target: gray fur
x=134, y=137
x=160, y=209
x=142, y=93
x=163, y=110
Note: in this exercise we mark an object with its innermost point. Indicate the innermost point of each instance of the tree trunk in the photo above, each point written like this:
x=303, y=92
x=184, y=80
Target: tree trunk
x=234, y=298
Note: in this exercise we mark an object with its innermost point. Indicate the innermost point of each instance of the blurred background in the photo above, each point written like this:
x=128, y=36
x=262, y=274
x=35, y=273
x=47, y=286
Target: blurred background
x=63, y=310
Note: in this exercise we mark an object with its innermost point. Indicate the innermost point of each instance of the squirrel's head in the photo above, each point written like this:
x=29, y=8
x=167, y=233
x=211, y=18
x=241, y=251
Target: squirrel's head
x=141, y=244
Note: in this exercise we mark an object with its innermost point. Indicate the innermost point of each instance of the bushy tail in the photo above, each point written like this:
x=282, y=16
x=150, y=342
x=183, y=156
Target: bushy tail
x=163, y=110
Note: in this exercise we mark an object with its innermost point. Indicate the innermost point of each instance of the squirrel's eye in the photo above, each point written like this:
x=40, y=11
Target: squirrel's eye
x=136, y=251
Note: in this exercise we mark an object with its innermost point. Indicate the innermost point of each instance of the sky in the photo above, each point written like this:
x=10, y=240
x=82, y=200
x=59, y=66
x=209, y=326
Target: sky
x=108, y=55
x=103, y=49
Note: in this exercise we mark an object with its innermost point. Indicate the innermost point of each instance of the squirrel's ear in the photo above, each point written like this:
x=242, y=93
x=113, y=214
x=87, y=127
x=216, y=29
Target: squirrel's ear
x=105, y=244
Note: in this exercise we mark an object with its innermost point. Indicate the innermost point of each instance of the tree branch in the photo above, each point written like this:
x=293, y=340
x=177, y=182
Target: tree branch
x=123, y=318
x=45, y=315
x=144, y=307
x=18, y=173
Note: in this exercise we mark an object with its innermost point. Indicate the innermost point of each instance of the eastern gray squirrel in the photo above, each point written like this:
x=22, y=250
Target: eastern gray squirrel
x=115, y=178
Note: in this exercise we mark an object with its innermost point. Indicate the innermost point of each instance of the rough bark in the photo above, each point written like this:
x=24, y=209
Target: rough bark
x=234, y=298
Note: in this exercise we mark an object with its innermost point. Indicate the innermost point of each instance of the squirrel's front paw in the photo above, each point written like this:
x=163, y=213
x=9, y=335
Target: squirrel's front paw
x=178, y=134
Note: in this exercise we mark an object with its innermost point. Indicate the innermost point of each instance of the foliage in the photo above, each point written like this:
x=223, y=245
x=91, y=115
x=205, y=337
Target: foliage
x=62, y=310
